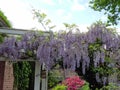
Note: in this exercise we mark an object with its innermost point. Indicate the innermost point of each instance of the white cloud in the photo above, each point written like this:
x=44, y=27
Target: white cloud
x=17, y=12
x=20, y=14
x=67, y=17
x=69, y=1
x=49, y=2
x=104, y=18
x=87, y=5
x=60, y=1
x=65, y=2
x=43, y=10
x=59, y=27
x=118, y=30
x=77, y=6
x=60, y=12
x=83, y=27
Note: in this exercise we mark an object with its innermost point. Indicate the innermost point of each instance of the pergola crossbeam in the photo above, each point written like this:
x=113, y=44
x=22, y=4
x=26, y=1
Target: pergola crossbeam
x=17, y=60
x=12, y=31
x=17, y=31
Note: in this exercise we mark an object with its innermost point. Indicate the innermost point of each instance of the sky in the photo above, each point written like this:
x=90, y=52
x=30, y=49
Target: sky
x=19, y=12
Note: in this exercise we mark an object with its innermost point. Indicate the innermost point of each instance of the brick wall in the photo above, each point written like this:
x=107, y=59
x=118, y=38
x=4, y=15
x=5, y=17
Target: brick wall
x=2, y=67
x=8, y=77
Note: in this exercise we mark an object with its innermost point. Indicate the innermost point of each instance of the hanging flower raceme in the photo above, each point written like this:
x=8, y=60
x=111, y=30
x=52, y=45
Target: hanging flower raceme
x=73, y=49
x=8, y=48
x=73, y=83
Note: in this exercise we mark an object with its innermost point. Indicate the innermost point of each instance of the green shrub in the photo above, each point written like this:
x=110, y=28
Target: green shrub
x=60, y=87
x=85, y=87
x=53, y=79
x=22, y=71
x=110, y=86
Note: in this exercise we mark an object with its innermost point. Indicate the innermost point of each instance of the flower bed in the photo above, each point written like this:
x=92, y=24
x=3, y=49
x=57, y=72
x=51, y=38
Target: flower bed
x=73, y=83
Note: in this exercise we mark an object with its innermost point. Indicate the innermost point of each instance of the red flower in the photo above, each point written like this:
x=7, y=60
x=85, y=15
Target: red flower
x=73, y=83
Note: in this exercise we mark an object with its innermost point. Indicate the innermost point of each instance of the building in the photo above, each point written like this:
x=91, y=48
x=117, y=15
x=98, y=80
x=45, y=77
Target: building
x=6, y=68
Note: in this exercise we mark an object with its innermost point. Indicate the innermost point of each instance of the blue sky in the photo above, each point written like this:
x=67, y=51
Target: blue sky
x=19, y=12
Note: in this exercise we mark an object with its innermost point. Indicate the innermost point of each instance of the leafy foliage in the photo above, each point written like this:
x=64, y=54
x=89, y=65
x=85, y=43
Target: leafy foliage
x=42, y=19
x=70, y=26
x=98, y=49
x=73, y=83
x=85, y=87
x=93, y=48
x=53, y=79
x=1, y=38
x=111, y=8
x=4, y=18
x=22, y=71
x=60, y=87
x=110, y=86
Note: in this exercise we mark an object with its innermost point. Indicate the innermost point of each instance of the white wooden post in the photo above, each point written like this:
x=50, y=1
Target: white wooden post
x=45, y=79
x=37, y=64
x=37, y=75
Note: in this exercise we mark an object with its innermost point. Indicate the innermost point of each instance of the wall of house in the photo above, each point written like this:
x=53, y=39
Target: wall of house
x=6, y=69
x=8, y=77
x=2, y=67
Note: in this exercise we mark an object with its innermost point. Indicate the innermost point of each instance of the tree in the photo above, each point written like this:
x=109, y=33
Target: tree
x=93, y=54
x=42, y=19
x=111, y=8
x=4, y=21
x=70, y=26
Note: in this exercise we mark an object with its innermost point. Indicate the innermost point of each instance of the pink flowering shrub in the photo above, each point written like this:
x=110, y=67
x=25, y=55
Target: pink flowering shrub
x=73, y=83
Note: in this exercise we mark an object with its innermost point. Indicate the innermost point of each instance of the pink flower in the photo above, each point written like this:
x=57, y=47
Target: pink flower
x=73, y=83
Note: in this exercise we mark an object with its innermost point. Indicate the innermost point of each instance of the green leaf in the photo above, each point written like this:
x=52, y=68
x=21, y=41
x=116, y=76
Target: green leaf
x=47, y=21
x=51, y=27
x=85, y=87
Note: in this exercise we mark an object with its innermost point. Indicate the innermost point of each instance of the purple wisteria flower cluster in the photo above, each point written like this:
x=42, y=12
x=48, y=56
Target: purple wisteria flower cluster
x=71, y=48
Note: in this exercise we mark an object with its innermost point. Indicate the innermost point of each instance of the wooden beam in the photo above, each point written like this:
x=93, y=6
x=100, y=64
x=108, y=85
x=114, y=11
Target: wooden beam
x=13, y=31
x=18, y=31
x=44, y=80
x=37, y=75
x=18, y=60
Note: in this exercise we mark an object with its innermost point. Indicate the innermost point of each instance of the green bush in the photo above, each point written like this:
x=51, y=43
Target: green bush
x=22, y=71
x=63, y=87
x=60, y=87
x=85, y=87
x=110, y=86
x=53, y=79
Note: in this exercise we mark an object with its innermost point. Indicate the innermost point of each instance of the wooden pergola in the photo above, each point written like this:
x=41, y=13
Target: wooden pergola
x=38, y=66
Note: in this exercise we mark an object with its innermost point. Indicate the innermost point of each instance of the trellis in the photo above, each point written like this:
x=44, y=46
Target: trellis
x=38, y=66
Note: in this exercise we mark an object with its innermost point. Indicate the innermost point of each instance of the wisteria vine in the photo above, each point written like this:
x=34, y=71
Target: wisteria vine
x=71, y=48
